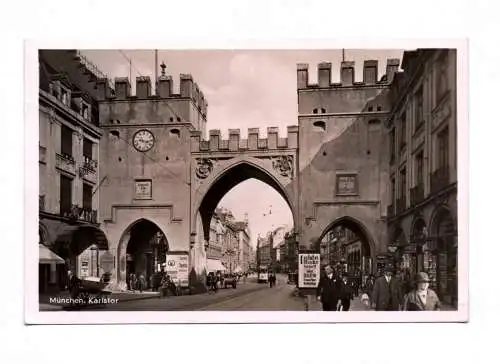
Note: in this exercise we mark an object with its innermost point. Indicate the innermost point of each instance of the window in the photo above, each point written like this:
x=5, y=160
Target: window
x=442, y=147
x=315, y=111
x=323, y=111
x=319, y=125
x=64, y=96
x=85, y=112
x=402, y=183
x=66, y=141
x=65, y=194
x=87, y=150
x=393, y=145
x=87, y=196
x=442, y=75
x=419, y=168
x=402, y=136
x=419, y=104
x=393, y=189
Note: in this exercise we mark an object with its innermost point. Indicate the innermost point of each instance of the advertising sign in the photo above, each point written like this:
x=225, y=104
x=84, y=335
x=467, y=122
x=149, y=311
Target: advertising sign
x=309, y=270
x=178, y=268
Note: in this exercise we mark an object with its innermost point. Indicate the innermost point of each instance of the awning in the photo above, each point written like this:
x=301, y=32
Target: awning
x=46, y=256
x=76, y=237
x=213, y=265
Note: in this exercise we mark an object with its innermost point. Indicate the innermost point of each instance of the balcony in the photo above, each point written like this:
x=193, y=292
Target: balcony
x=41, y=202
x=440, y=179
x=390, y=211
x=88, y=170
x=65, y=163
x=417, y=194
x=80, y=214
x=400, y=205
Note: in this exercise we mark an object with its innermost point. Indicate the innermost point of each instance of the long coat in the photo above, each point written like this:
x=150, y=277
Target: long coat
x=387, y=296
x=413, y=302
x=330, y=290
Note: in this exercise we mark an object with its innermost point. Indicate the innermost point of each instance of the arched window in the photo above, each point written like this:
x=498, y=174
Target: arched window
x=315, y=111
x=320, y=125
x=323, y=111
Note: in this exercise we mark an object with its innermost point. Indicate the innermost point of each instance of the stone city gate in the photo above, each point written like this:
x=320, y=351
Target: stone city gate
x=157, y=166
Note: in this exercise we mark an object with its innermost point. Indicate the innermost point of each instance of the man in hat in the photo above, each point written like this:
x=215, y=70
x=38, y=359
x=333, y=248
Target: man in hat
x=330, y=289
x=422, y=298
x=387, y=294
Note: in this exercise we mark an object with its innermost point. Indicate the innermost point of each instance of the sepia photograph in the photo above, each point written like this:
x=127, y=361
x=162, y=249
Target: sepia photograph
x=248, y=181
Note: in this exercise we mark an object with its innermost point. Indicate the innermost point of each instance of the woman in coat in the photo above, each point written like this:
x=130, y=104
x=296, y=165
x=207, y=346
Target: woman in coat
x=422, y=298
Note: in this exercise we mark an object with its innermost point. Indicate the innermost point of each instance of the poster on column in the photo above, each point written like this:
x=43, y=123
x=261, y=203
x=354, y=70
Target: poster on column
x=309, y=270
x=178, y=269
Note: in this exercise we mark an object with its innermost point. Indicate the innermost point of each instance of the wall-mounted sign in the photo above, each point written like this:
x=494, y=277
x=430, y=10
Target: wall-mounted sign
x=177, y=268
x=309, y=270
x=347, y=184
x=143, y=189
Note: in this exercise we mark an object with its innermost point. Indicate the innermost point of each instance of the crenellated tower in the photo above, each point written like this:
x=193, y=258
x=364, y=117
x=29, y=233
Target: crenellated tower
x=145, y=159
x=344, y=149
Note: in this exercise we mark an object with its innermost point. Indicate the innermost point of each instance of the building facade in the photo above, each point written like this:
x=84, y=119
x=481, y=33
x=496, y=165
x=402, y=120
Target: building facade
x=422, y=216
x=69, y=136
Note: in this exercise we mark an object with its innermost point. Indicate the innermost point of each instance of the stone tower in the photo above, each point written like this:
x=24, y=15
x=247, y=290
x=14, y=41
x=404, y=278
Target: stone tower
x=343, y=152
x=145, y=160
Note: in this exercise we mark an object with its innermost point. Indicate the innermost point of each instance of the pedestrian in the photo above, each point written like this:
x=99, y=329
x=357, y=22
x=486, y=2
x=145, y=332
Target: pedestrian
x=329, y=289
x=387, y=292
x=347, y=294
x=369, y=285
x=422, y=298
x=133, y=282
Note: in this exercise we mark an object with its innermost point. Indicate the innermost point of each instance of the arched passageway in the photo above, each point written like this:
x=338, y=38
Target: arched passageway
x=348, y=246
x=145, y=247
x=227, y=239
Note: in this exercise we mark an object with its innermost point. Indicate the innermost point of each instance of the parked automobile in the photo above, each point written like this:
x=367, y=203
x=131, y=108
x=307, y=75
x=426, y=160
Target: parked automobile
x=230, y=280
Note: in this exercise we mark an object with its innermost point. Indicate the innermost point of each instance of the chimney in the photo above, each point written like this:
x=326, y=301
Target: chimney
x=122, y=88
x=370, y=72
x=143, y=87
x=103, y=89
x=302, y=75
x=347, y=73
x=391, y=68
x=324, y=74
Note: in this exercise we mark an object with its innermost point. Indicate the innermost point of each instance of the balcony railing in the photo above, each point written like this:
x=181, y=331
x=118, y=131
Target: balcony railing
x=41, y=202
x=88, y=170
x=79, y=213
x=417, y=194
x=400, y=205
x=440, y=179
x=65, y=162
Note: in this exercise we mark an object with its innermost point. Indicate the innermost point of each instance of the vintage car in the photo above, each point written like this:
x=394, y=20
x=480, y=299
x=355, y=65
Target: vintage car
x=230, y=280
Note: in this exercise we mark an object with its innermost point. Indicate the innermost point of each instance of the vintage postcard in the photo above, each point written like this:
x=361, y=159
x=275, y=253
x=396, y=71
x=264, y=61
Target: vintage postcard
x=247, y=185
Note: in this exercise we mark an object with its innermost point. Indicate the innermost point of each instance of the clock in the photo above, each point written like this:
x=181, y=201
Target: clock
x=143, y=140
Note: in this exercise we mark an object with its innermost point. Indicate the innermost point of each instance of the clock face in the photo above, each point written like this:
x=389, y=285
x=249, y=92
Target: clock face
x=143, y=140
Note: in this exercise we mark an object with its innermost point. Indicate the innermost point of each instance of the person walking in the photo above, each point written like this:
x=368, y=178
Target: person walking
x=387, y=292
x=329, y=290
x=347, y=294
x=422, y=298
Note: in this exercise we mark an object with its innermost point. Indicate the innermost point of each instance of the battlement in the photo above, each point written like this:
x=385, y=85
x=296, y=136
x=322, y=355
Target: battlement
x=144, y=88
x=347, y=75
x=253, y=143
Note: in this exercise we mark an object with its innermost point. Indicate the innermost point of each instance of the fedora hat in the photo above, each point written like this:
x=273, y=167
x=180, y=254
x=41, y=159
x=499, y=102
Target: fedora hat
x=422, y=277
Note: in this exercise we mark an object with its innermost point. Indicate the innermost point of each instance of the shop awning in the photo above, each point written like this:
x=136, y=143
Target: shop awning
x=213, y=265
x=47, y=256
x=77, y=237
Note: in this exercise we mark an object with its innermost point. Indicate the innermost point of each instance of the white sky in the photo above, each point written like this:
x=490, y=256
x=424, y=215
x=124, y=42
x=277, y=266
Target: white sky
x=244, y=89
